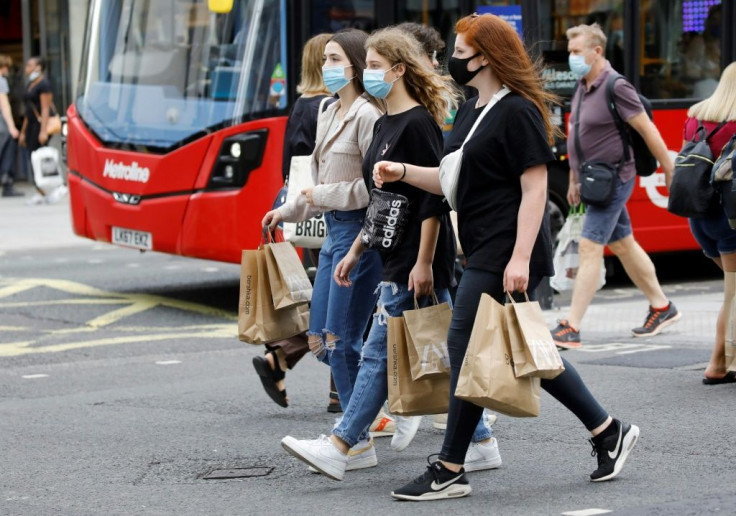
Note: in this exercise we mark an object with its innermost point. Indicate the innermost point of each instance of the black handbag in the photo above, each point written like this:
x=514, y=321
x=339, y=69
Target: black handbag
x=691, y=192
x=385, y=220
x=597, y=178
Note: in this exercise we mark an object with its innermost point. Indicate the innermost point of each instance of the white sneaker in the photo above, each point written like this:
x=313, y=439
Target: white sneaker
x=360, y=456
x=406, y=429
x=320, y=453
x=482, y=456
x=36, y=198
x=382, y=426
x=439, y=421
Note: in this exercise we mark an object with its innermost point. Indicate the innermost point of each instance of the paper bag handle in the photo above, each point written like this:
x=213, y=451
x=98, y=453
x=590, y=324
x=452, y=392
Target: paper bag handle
x=433, y=296
x=511, y=298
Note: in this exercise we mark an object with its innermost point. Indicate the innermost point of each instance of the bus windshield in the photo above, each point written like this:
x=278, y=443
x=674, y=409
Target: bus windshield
x=159, y=73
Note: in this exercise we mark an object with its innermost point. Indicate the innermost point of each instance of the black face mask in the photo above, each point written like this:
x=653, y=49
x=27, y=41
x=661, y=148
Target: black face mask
x=458, y=69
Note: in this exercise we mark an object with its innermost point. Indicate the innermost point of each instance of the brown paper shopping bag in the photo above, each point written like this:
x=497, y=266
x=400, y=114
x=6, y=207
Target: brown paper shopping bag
x=289, y=282
x=407, y=397
x=532, y=348
x=258, y=321
x=426, y=336
x=487, y=375
x=730, y=344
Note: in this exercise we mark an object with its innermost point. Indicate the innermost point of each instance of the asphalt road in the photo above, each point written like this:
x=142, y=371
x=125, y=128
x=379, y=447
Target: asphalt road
x=122, y=383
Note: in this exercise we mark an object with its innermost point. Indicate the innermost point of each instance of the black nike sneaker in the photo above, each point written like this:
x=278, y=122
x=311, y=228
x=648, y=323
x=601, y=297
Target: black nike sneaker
x=613, y=451
x=437, y=483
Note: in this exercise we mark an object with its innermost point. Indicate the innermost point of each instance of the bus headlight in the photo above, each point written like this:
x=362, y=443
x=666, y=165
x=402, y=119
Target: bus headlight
x=239, y=155
x=235, y=150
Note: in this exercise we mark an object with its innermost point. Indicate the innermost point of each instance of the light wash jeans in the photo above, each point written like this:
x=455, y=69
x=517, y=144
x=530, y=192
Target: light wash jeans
x=339, y=315
x=371, y=387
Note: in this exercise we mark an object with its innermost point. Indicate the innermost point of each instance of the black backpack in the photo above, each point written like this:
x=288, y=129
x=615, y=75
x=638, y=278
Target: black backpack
x=691, y=192
x=644, y=161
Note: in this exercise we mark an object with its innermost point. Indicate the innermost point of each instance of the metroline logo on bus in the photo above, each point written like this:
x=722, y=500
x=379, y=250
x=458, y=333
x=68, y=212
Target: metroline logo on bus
x=132, y=172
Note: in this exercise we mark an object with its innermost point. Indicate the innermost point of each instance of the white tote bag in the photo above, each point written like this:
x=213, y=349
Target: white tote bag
x=46, y=170
x=310, y=233
x=450, y=164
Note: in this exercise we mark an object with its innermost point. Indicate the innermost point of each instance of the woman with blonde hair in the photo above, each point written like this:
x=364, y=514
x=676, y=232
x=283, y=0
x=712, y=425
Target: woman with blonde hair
x=421, y=264
x=717, y=114
x=504, y=231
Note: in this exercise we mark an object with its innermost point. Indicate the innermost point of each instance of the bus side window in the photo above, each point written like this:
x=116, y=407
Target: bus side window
x=680, y=53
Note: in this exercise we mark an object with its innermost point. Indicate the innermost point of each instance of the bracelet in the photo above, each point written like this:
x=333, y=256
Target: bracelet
x=404, y=174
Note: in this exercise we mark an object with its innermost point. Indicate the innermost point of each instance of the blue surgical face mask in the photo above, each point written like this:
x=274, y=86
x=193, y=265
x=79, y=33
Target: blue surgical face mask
x=578, y=66
x=375, y=83
x=334, y=78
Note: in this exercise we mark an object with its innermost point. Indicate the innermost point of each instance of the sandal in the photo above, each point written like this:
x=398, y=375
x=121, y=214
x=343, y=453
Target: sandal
x=729, y=377
x=334, y=407
x=269, y=377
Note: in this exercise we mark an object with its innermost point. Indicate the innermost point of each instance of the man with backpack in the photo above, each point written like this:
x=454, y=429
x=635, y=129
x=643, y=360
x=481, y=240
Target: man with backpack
x=602, y=175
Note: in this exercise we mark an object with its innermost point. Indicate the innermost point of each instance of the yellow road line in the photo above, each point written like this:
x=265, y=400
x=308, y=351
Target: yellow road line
x=21, y=348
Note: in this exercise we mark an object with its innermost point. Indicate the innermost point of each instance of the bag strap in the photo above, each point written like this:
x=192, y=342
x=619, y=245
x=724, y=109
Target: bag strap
x=52, y=107
x=620, y=123
x=494, y=100
x=322, y=105
x=714, y=131
x=576, y=140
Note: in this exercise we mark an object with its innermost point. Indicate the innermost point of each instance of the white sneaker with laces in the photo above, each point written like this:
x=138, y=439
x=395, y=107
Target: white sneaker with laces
x=319, y=453
x=406, y=429
x=482, y=456
x=360, y=456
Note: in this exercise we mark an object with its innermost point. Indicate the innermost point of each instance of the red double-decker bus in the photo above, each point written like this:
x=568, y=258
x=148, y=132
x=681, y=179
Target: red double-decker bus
x=174, y=141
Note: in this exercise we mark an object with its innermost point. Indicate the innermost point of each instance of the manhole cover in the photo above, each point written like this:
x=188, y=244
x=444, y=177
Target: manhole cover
x=219, y=474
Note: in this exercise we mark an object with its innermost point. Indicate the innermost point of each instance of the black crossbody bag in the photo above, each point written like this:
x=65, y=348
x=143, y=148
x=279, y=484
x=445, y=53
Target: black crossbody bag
x=597, y=178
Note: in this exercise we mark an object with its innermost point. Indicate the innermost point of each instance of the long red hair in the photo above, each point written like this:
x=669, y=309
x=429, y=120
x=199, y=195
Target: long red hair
x=509, y=61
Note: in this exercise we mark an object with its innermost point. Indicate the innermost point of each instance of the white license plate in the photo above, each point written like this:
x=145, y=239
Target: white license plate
x=132, y=238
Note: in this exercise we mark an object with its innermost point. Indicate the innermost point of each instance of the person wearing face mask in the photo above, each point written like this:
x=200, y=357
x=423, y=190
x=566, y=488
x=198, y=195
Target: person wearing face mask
x=421, y=266
x=339, y=316
x=38, y=101
x=504, y=230
x=608, y=225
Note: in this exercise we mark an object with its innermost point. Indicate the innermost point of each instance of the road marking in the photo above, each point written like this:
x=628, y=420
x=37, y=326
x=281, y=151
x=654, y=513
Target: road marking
x=14, y=349
x=133, y=304
x=172, y=267
x=168, y=362
x=586, y=512
x=210, y=269
x=95, y=261
x=621, y=348
x=14, y=328
x=133, y=265
x=34, y=376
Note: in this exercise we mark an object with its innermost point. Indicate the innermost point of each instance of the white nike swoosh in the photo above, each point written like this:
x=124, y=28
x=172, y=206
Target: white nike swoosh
x=618, y=444
x=439, y=487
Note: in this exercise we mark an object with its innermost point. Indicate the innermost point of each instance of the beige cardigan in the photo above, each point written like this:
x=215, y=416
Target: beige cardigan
x=337, y=163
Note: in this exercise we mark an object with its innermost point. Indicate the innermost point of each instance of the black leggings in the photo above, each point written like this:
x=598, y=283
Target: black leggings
x=568, y=388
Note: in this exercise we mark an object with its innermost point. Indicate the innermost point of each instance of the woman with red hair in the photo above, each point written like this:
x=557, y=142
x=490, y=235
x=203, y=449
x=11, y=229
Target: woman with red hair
x=501, y=201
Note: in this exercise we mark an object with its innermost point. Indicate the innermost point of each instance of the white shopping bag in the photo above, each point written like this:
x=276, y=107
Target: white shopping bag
x=46, y=169
x=567, y=258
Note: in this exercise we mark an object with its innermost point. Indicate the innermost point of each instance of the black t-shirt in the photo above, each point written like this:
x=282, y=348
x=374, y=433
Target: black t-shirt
x=413, y=137
x=510, y=139
x=301, y=129
x=32, y=99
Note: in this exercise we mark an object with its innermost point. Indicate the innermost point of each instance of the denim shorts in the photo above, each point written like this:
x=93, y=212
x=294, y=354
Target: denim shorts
x=714, y=235
x=611, y=223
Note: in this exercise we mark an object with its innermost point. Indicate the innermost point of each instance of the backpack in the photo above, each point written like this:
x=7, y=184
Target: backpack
x=644, y=161
x=691, y=193
x=724, y=165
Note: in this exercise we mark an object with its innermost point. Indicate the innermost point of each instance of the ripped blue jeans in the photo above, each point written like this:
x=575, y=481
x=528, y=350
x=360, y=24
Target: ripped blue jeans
x=371, y=387
x=339, y=315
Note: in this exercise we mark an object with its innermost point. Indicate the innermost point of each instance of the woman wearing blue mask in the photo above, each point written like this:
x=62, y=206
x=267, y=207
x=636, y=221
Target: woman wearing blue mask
x=421, y=265
x=339, y=316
